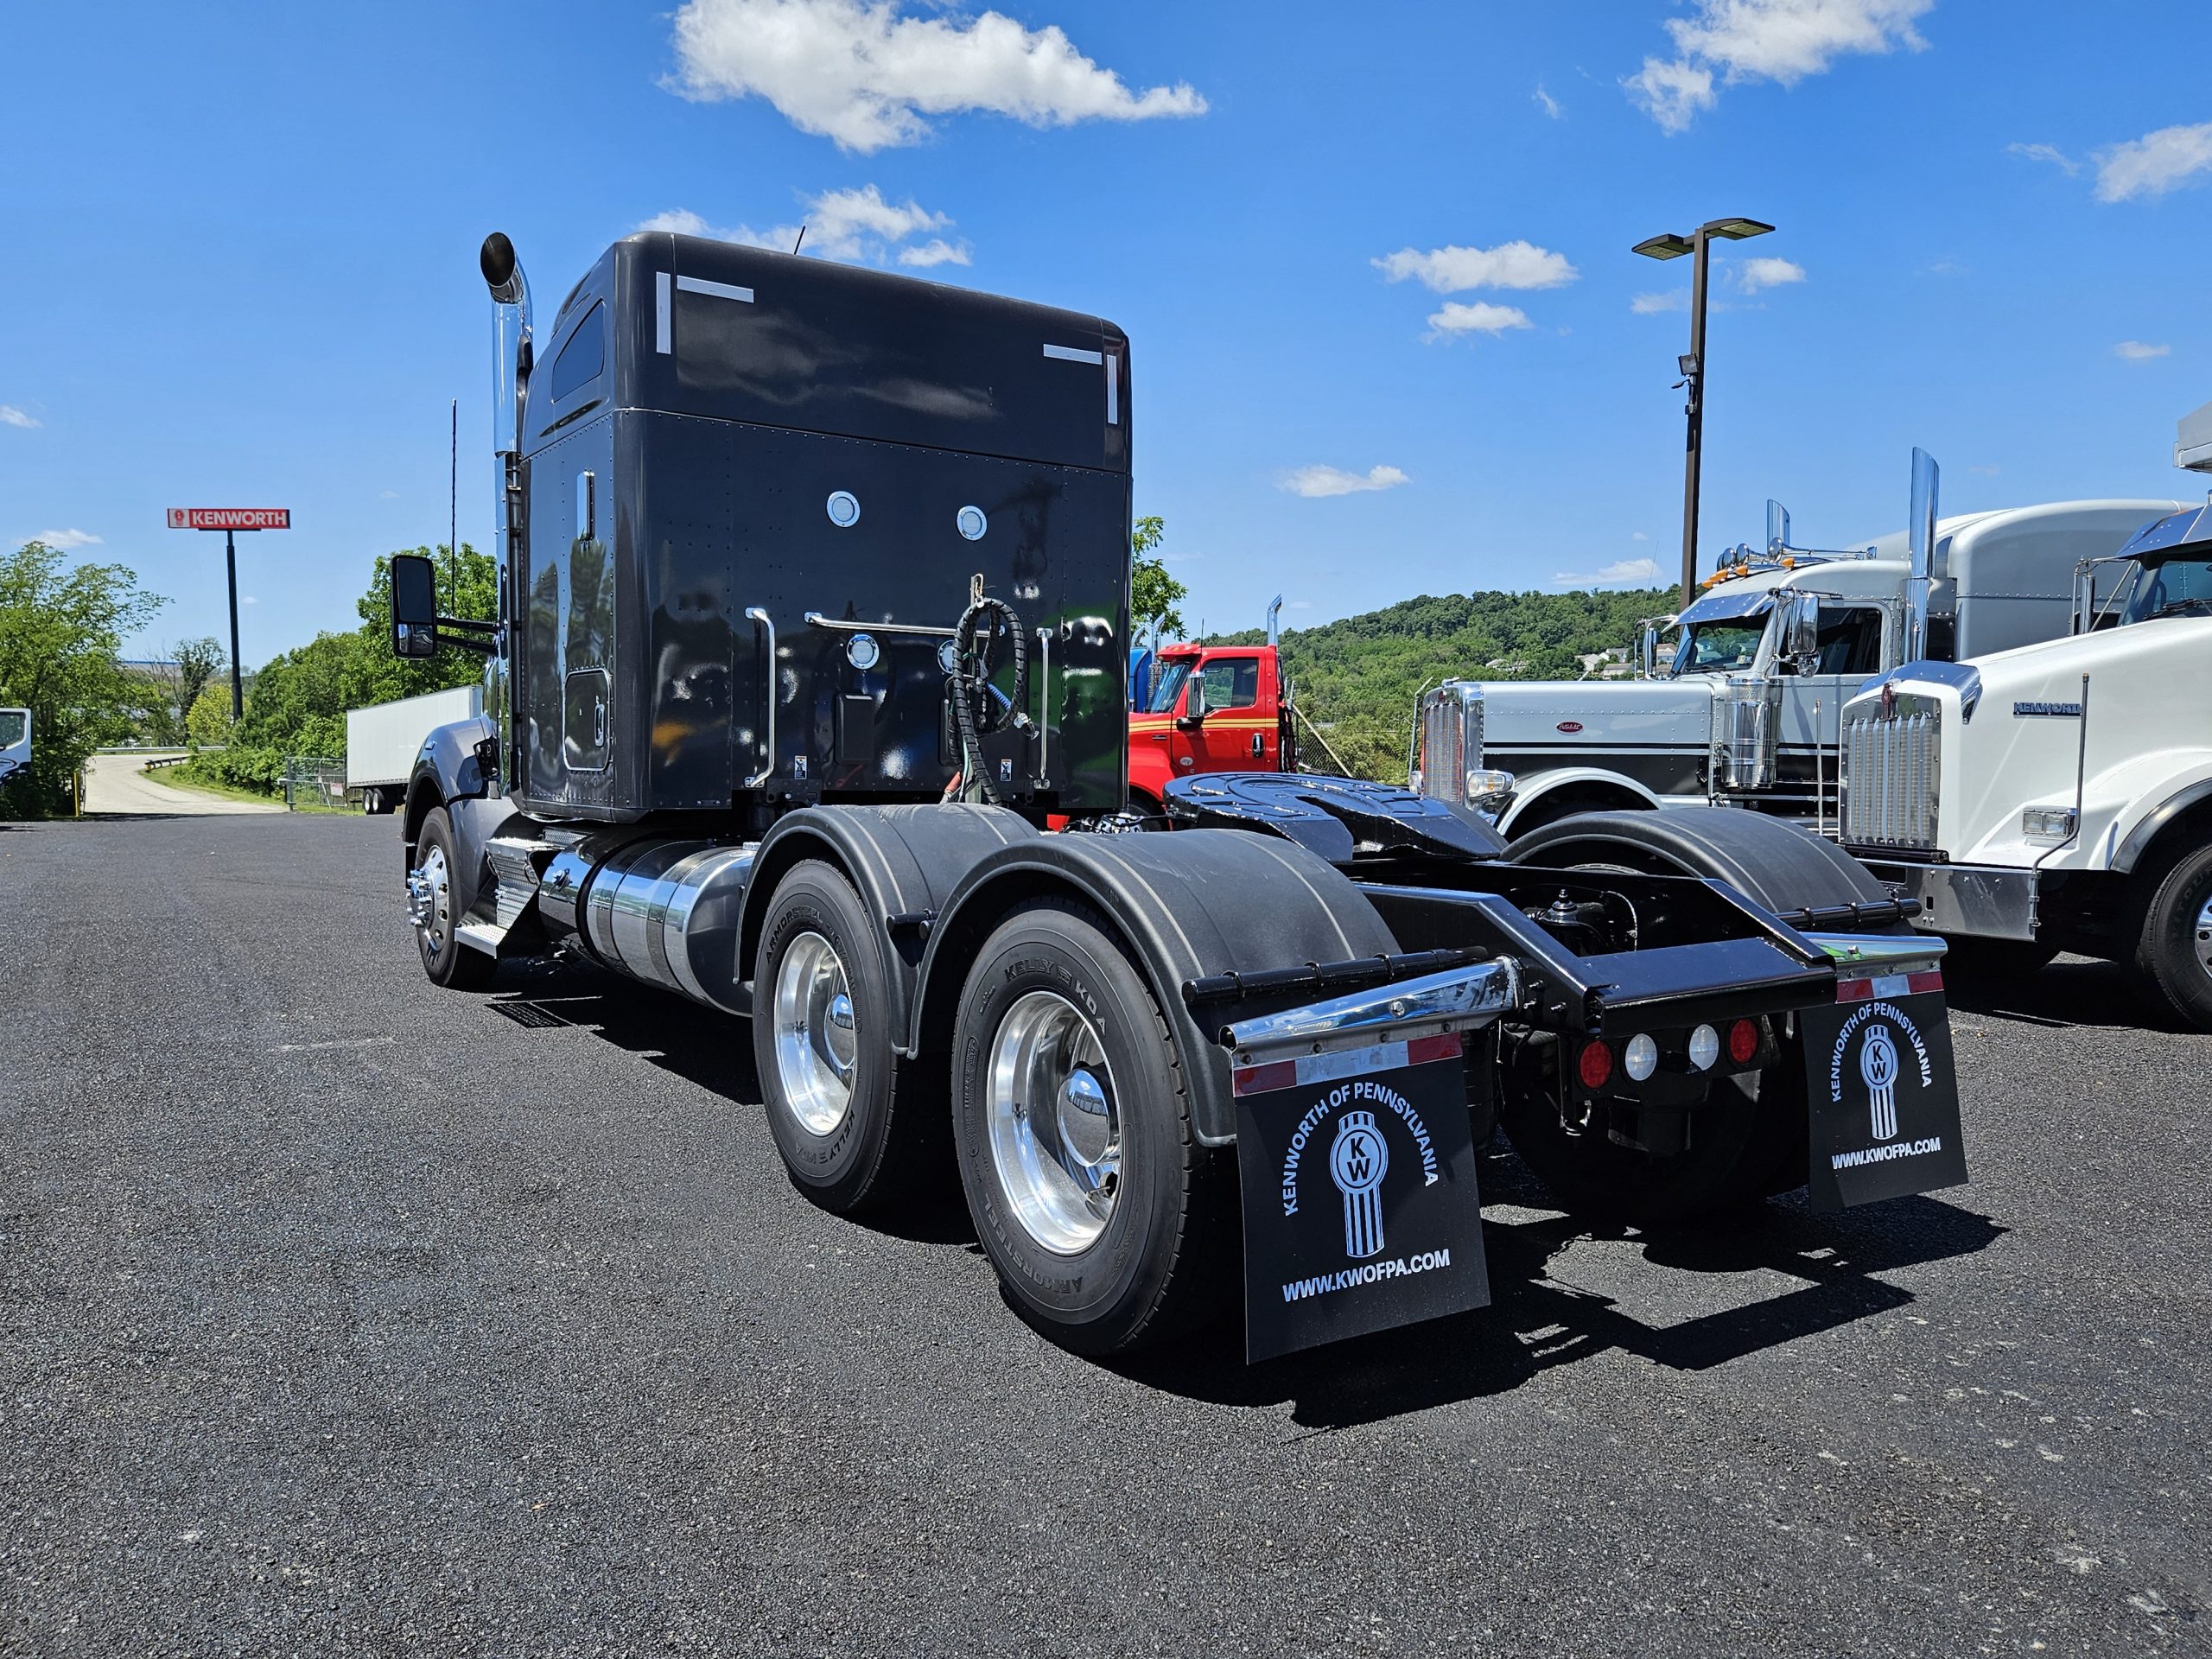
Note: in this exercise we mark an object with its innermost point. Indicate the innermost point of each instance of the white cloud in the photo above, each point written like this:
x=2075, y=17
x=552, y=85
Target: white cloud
x=1766, y=271
x=1781, y=41
x=1454, y=269
x=10, y=415
x=2057, y=158
x=858, y=227
x=1300, y=605
x=1549, y=105
x=1479, y=318
x=1637, y=535
x=248, y=599
x=1650, y=305
x=1623, y=573
x=387, y=495
x=2154, y=164
x=936, y=252
x=864, y=75
x=2134, y=351
x=67, y=541
x=1314, y=482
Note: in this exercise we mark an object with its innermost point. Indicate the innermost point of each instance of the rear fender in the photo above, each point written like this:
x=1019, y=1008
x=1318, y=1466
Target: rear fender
x=446, y=774
x=904, y=860
x=1775, y=864
x=1185, y=905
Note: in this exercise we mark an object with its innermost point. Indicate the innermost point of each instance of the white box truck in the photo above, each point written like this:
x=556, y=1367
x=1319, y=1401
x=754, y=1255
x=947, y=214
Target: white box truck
x=383, y=739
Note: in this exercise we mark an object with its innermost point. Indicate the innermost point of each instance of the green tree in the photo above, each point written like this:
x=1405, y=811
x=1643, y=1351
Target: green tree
x=61, y=634
x=1154, y=594
x=208, y=720
x=198, y=661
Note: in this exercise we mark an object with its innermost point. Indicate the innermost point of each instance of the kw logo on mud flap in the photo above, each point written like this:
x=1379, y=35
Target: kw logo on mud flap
x=1878, y=1064
x=1358, y=1163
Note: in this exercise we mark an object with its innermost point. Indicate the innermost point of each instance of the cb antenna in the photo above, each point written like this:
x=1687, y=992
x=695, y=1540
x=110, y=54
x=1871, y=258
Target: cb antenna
x=801, y=243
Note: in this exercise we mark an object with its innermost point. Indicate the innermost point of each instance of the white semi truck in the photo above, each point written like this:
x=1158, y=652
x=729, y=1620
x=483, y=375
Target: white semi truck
x=2058, y=797
x=382, y=740
x=1744, y=709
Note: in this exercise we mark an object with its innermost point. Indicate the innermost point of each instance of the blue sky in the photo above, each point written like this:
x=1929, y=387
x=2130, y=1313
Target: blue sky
x=241, y=257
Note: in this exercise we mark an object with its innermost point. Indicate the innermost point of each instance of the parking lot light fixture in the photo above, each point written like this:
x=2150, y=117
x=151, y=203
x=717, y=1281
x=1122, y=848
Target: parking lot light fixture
x=1673, y=245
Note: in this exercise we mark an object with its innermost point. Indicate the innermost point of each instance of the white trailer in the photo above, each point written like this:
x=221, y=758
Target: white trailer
x=2059, y=797
x=1745, y=709
x=382, y=740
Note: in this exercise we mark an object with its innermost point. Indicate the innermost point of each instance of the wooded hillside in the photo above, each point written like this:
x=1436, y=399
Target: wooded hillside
x=1357, y=679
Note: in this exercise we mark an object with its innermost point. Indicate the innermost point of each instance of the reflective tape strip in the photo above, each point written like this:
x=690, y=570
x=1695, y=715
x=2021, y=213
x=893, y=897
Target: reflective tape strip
x=1862, y=990
x=1074, y=355
x=720, y=290
x=1346, y=1063
x=664, y=341
x=1113, y=389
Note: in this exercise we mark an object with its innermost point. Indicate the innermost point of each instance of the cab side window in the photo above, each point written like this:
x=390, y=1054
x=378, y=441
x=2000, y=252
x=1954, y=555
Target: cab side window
x=1850, y=640
x=584, y=356
x=1232, y=683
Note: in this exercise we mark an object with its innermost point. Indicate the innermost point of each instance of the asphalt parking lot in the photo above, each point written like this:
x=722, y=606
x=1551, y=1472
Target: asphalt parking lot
x=340, y=1314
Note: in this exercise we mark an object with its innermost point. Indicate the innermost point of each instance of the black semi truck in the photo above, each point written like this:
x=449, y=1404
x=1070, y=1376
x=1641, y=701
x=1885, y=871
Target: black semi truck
x=814, y=611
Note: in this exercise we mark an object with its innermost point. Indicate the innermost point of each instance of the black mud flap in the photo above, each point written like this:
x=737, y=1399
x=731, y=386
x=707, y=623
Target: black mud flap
x=1885, y=1097
x=1360, y=1208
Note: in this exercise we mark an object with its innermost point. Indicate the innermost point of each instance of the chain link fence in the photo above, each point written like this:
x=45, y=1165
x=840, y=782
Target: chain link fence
x=316, y=780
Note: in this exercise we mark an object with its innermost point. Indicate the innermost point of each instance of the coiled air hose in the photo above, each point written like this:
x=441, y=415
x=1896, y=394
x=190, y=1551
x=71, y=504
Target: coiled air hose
x=977, y=708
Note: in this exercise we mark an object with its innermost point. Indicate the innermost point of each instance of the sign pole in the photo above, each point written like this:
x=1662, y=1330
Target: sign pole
x=237, y=693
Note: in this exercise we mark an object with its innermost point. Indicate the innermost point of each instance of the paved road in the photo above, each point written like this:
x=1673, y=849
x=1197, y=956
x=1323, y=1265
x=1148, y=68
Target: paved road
x=340, y=1315
x=117, y=784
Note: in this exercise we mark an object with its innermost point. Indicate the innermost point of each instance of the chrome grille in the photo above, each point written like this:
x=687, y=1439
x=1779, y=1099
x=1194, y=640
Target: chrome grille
x=1451, y=739
x=1890, y=774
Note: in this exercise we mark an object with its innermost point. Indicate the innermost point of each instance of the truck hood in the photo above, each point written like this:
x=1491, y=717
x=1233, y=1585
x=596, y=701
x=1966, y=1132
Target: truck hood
x=1596, y=714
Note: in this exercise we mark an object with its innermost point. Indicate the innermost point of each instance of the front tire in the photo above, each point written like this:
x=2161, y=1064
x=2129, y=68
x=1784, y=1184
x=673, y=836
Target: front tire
x=2173, y=950
x=437, y=920
x=856, y=1127
x=1090, y=1193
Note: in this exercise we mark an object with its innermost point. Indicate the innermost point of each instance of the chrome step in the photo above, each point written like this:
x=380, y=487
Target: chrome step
x=517, y=865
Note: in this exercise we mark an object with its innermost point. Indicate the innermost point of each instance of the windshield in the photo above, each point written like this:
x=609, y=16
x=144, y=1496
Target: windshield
x=1169, y=686
x=2171, y=588
x=1726, y=645
x=12, y=722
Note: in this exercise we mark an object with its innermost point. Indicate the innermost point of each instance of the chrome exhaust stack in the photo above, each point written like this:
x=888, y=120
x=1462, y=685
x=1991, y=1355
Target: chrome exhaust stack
x=1920, y=529
x=510, y=363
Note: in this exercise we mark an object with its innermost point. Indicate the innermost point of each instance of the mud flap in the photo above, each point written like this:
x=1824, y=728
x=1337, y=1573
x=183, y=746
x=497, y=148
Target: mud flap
x=1884, y=1095
x=1357, y=1169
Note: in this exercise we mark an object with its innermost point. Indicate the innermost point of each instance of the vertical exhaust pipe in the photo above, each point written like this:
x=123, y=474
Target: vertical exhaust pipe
x=511, y=362
x=1920, y=529
x=1275, y=631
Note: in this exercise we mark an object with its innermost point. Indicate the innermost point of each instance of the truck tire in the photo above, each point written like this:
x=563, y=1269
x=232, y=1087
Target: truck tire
x=1749, y=1142
x=2173, y=949
x=1090, y=1191
x=445, y=958
x=856, y=1127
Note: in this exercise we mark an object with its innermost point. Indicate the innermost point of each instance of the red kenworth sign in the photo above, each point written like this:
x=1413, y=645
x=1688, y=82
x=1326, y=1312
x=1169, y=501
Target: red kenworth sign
x=230, y=517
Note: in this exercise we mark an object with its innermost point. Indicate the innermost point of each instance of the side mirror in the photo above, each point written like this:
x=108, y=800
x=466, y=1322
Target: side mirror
x=414, y=606
x=1800, y=641
x=1194, y=701
x=1647, y=653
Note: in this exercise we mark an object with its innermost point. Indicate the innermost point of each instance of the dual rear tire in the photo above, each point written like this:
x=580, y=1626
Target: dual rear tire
x=1062, y=1096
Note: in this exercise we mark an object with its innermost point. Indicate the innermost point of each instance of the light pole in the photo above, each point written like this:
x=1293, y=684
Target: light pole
x=1671, y=246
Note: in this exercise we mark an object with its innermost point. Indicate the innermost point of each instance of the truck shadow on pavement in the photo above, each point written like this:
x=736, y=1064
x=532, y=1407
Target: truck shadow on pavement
x=1537, y=1321
x=2072, y=991
x=1538, y=1318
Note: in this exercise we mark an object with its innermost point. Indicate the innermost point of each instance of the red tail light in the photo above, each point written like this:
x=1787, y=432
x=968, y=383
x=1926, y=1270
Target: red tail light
x=1743, y=1041
x=1596, y=1066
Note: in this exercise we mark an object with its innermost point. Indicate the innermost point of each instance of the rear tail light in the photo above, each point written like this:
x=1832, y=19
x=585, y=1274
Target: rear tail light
x=1705, y=1048
x=1641, y=1059
x=1743, y=1041
x=1596, y=1066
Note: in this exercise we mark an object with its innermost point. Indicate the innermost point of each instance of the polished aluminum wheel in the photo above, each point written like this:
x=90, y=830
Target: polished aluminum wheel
x=1056, y=1136
x=816, y=1039
x=2203, y=941
x=429, y=900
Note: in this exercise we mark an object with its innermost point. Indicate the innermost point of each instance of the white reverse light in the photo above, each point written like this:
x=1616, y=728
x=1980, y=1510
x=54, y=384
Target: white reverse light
x=1705, y=1048
x=1640, y=1057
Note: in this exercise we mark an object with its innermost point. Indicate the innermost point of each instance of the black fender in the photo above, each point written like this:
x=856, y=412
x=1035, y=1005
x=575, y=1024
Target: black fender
x=2161, y=818
x=904, y=860
x=1770, y=862
x=1188, y=904
x=448, y=773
